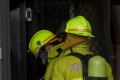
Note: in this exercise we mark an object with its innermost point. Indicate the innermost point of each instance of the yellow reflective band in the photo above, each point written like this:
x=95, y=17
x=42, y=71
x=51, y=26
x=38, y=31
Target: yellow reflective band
x=78, y=79
x=80, y=30
x=48, y=38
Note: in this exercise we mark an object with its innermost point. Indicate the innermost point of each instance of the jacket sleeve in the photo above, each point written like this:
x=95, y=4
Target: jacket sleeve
x=57, y=72
x=49, y=70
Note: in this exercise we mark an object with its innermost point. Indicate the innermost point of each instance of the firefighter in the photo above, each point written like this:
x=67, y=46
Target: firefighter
x=54, y=54
x=39, y=39
x=77, y=61
x=44, y=44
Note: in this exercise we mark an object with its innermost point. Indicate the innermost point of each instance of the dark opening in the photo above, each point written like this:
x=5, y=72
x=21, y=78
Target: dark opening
x=52, y=15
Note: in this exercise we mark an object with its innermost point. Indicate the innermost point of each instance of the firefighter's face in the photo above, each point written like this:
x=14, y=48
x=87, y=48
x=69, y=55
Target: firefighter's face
x=53, y=43
x=48, y=47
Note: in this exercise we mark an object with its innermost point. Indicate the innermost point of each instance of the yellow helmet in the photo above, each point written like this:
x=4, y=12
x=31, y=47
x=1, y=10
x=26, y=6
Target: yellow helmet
x=79, y=25
x=39, y=39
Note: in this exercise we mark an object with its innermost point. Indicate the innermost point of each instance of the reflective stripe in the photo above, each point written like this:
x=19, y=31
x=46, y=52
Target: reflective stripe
x=75, y=67
x=48, y=38
x=78, y=79
x=81, y=30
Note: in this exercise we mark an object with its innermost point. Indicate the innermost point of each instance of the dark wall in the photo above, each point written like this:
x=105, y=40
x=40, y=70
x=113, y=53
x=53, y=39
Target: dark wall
x=115, y=2
x=47, y=15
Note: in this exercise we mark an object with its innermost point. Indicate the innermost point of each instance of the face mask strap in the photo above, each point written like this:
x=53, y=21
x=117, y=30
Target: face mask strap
x=43, y=55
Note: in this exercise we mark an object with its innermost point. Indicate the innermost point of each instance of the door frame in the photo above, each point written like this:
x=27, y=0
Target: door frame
x=5, y=40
